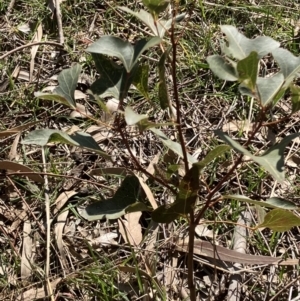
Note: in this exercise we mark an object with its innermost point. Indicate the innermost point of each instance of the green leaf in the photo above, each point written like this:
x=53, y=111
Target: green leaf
x=267, y=89
x=114, y=80
x=213, y=154
x=295, y=91
x=125, y=200
x=67, y=82
x=99, y=101
x=156, y=6
x=163, y=93
x=247, y=69
x=288, y=64
x=160, y=27
x=116, y=47
x=261, y=213
x=132, y=117
x=141, y=121
x=280, y=220
x=140, y=79
x=82, y=140
x=281, y=203
x=55, y=97
x=174, y=146
x=272, y=160
x=270, y=203
x=145, y=124
x=185, y=200
x=240, y=47
x=221, y=68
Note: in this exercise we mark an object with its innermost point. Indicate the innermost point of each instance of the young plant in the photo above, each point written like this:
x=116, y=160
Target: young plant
x=240, y=61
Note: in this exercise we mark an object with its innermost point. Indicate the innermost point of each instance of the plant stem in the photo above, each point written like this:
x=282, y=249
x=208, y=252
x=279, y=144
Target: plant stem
x=191, y=283
x=48, y=233
x=230, y=172
x=176, y=96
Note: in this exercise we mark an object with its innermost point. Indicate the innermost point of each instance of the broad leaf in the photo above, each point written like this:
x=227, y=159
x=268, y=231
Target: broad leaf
x=185, y=200
x=82, y=140
x=268, y=88
x=221, y=68
x=156, y=6
x=132, y=117
x=272, y=160
x=55, y=97
x=213, y=154
x=160, y=27
x=114, y=80
x=270, y=203
x=163, y=93
x=125, y=200
x=140, y=79
x=141, y=121
x=295, y=91
x=288, y=64
x=174, y=146
x=281, y=203
x=280, y=220
x=67, y=82
x=240, y=47
x=127, y=53
x=247, y=69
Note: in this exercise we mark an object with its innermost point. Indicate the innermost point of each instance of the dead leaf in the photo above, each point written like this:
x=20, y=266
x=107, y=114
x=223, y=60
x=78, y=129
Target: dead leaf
x=207, y=249
x=131, y=229
x=237, y=126
x=144, y=178
x=119, y=171
x=37, y=293
x=16, y=167
x=148, y=192
x=239, y=245
x=293, y=161
x=26, y=261
x=59, y=227
x=18, y=220
x=81, y=112
x=25, y=28
x=203, y=231
x=13, y=154
x=36, y=38
x=62, y=199
x=105, y=239
x=112, y=106
x=17, y=129
x=99, y=133
x=79, y=95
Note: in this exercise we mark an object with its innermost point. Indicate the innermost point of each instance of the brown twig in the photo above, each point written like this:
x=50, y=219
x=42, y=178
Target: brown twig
x=136, y=162
x=29, y=45
x=176, y=96
x=59, y=22
x=277, y=121
x=230, y=172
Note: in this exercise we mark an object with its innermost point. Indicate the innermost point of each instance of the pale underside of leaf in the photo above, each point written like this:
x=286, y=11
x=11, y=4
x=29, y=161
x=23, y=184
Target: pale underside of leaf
x=207, y=249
